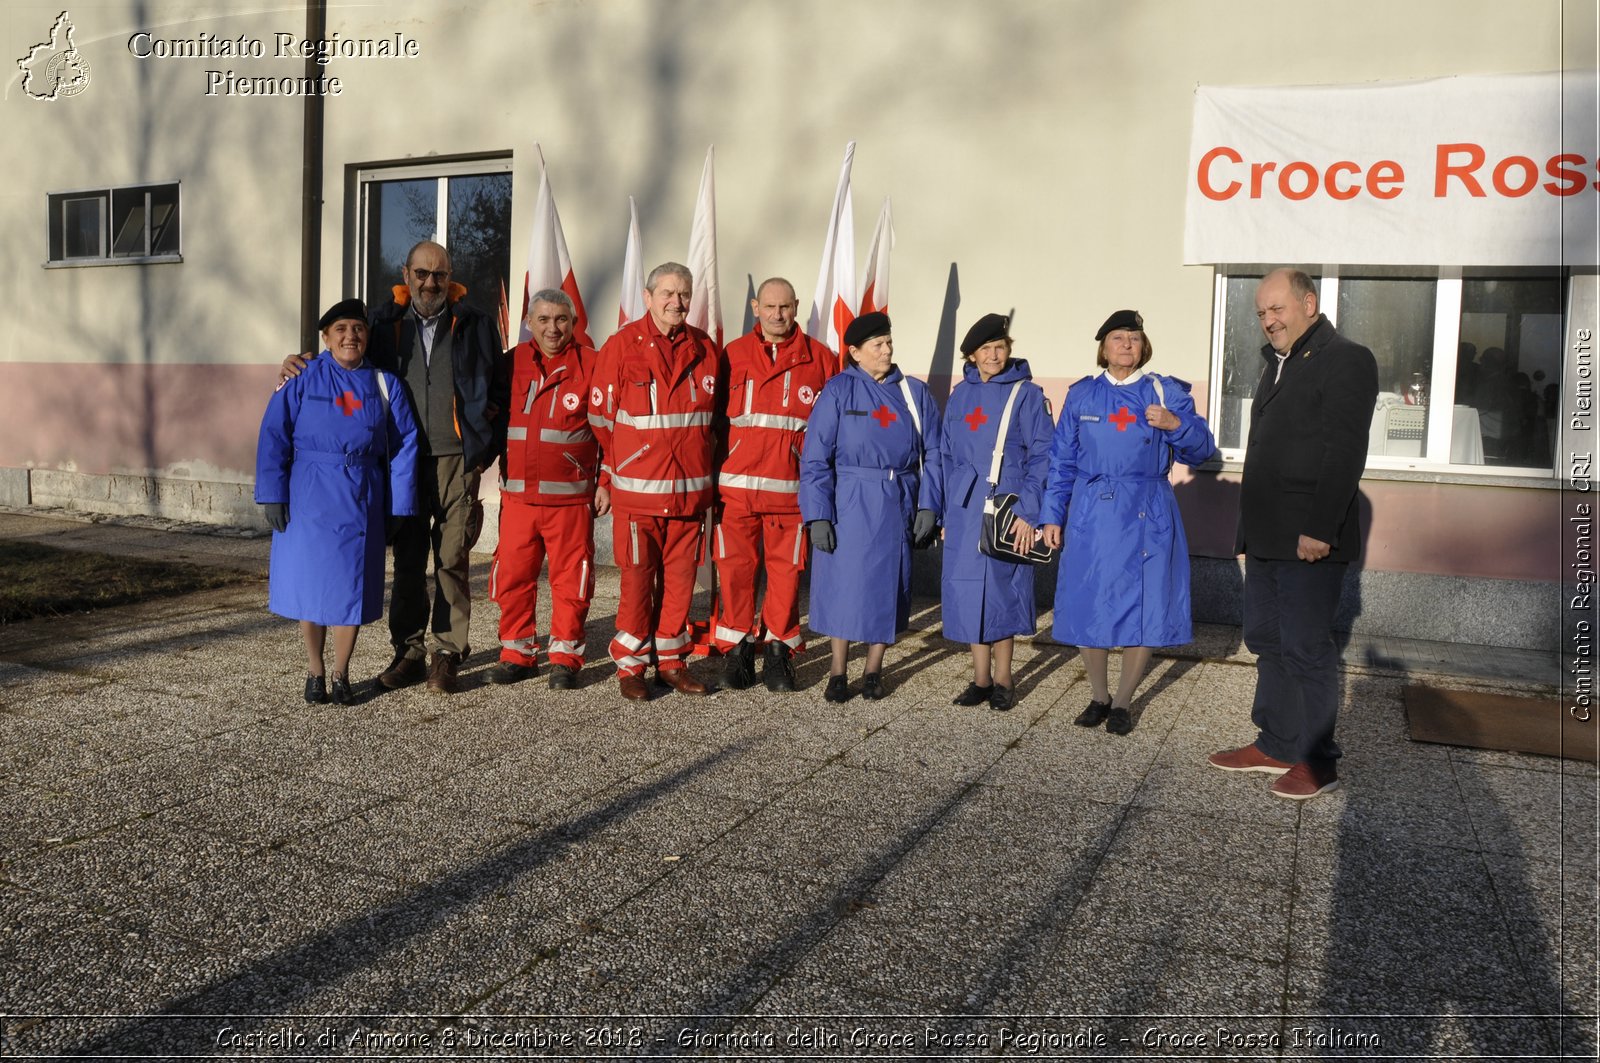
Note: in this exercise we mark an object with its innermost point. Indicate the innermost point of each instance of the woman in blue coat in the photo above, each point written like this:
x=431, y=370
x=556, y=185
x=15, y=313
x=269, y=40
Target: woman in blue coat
x=337, y=455
x=987, y=601
x=869, y=490
x=1124, y=578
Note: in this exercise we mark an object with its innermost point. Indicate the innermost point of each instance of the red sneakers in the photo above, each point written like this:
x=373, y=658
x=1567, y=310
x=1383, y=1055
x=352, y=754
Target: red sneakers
x=1307, y=780
x=1248, y=758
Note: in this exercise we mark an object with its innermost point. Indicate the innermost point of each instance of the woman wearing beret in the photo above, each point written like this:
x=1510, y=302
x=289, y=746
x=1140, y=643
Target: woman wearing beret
x=1124, y=578
x=869, y=490
x=336, y=456
x=986, y=600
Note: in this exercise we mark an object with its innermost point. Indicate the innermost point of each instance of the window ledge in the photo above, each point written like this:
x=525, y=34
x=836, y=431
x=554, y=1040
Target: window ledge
x=128, y=260
x=1551, y=483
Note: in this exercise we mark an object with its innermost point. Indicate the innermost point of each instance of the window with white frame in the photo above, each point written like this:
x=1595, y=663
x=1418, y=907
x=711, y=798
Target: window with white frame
x=114, y=226
x=1469, y=363
x=463, y=205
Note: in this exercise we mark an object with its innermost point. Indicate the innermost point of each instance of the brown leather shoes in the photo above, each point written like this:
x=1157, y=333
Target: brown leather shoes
x=402, y=672
x=680, y=680
x=442, y=672
x=634, y=688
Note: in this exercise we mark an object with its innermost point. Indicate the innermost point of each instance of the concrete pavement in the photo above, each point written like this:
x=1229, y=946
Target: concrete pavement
x=195, y=863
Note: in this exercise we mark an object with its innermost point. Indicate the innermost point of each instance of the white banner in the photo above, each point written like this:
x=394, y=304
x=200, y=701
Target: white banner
x=1467, y=171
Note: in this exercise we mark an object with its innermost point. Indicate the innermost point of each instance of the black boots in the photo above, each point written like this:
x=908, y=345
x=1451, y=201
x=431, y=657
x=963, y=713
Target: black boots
x=775, y=669
x=739, y=667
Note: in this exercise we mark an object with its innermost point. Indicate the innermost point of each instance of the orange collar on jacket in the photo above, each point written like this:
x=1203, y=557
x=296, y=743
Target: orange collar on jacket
x=452, y=294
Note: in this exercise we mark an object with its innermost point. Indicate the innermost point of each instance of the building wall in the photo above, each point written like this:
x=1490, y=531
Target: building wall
x=1035, y=150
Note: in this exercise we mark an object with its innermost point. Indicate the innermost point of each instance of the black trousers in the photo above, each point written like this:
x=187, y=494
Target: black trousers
x=1288, y=624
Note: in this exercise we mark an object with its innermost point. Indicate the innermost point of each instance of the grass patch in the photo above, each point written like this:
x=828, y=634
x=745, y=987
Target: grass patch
x=37, y=581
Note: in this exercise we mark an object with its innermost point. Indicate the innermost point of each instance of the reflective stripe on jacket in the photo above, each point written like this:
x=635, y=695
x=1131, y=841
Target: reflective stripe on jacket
x=653, y=405
x=772, y=389
x=552, y=457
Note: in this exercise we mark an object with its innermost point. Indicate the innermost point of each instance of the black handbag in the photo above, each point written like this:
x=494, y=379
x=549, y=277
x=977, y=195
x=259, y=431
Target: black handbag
x=995, y=539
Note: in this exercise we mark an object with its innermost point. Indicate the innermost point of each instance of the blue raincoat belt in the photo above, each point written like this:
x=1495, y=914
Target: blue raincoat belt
x=872, y=472
x=328, y=457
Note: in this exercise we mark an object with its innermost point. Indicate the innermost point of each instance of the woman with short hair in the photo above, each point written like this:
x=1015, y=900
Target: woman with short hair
x=336, y=457
x=1124, y=577
x=869, y=491
x=988, y=601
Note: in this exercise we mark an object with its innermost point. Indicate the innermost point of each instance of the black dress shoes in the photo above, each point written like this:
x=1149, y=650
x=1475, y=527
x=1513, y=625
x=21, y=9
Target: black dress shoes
x=973, y=695
x=872, y=687
x=563, y=677
x=838, y=690
x=316, y=690
x=339, y=690
x=1002, y=699
x=1094, y=715
x=1120, y=722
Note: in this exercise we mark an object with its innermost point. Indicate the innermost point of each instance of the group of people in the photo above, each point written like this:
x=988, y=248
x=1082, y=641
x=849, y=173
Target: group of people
x=384, y=436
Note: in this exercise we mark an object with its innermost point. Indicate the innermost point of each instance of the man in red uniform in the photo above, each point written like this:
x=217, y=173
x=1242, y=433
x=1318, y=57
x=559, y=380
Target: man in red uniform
x=774, y=377
x=653, y=402
x=549, y=497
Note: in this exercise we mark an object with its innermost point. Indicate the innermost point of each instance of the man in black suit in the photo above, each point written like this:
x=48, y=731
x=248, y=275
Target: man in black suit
x=1298, y=531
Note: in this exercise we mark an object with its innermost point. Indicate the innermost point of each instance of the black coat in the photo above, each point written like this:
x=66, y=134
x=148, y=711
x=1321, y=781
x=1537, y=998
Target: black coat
x=475, y=360
x=1308, y=447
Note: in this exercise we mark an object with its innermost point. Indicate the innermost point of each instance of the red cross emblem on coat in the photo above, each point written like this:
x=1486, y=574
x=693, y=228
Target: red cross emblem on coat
x=884, y=416
x=1122, y=419
x=976, y=418
x=348, y=403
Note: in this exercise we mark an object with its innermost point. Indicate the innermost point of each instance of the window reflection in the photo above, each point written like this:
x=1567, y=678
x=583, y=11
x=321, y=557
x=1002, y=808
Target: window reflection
x=1509, y=365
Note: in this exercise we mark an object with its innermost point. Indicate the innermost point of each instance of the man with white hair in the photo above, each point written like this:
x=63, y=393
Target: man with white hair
x=654, y=401
x=549, y=497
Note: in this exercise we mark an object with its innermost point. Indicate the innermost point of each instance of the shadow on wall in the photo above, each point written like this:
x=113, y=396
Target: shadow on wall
x=1210, y=506
x=941, y=372
x=125, y=145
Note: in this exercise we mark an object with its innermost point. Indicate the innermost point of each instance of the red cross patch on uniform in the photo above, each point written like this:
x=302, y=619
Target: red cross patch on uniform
x=709, y=382
x=570, y=400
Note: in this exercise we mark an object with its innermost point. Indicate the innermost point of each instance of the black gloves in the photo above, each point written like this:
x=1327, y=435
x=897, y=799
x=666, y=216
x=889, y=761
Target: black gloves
x=822, y=536
x=277, y=515
x=923, y=528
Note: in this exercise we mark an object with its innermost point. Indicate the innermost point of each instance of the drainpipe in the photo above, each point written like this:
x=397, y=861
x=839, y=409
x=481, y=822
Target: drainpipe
x=311, y=187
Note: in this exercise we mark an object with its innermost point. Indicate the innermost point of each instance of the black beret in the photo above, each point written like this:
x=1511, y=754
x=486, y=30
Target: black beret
x=349, y=308
x=866, y=327
x=986, y=329
x=1128, y=319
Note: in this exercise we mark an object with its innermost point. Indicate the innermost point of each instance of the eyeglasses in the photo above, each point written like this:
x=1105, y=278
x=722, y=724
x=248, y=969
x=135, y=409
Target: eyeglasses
x=423, y=275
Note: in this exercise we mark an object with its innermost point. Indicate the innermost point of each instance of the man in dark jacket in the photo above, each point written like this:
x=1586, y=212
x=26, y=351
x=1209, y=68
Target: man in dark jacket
x=448, y=355
x=1299, y=532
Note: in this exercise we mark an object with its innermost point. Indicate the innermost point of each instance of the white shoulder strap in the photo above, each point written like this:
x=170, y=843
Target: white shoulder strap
x=916, y=420
x=1161, y=395
x=911, y=404
x=383, y=388
x=1000, y=440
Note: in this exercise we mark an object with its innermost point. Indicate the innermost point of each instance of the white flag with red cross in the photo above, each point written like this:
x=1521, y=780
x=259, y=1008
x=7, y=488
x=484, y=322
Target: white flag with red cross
x=875, y=297
x=549, y=265
x=834, y=299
